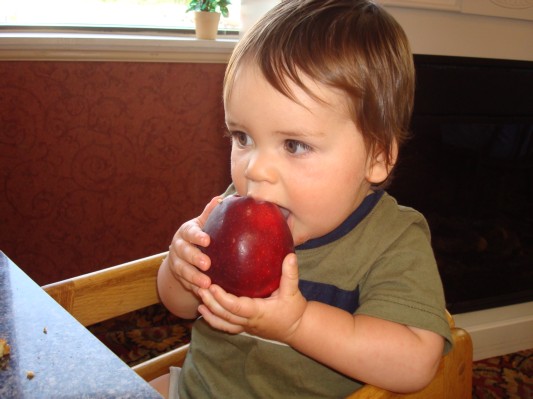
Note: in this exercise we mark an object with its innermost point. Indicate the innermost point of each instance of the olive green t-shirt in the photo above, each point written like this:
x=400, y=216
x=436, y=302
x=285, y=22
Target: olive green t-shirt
x=379, y=262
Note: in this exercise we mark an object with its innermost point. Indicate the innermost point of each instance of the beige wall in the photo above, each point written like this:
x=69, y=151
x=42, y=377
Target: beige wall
x=442, y=32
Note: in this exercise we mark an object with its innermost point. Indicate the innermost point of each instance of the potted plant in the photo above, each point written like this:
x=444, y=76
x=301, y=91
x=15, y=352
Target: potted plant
x=207, y=16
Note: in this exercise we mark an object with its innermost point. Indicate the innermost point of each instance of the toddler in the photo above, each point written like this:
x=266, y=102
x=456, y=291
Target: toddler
x=317, y=98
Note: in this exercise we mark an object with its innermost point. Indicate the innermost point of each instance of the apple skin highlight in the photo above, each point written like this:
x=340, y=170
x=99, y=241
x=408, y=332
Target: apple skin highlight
x=249, y=240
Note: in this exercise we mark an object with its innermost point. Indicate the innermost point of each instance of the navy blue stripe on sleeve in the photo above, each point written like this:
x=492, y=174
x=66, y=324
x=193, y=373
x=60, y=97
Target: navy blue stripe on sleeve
x=330, y=295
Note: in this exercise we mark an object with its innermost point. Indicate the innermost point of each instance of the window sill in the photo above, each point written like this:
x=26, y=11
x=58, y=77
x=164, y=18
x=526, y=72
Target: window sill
x=75, y=46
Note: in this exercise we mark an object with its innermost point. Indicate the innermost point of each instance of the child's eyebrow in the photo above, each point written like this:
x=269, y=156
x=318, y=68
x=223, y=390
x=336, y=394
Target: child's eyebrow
x=296, y=134
x=232, y=124
x=293, y=134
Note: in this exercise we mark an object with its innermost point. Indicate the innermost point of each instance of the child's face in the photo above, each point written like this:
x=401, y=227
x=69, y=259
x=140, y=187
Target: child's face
x=307, y=157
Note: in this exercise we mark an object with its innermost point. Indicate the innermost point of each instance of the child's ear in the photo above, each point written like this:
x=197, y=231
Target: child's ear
x=379, y=167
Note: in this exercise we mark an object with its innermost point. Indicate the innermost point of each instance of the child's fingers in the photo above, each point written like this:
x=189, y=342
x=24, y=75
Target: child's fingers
x=218, y=323
x=191, y=231
x=207, y=210
x=190, y=253
x=187, y=273
x=190, y=235
x=289, y=276
x=216, y=315
x=235, y=309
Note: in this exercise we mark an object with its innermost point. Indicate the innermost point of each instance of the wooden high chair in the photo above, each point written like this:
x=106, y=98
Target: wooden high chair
x=111, y=292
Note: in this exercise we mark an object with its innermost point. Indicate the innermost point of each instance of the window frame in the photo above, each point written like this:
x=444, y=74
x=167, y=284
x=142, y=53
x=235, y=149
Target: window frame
x=130, y=44
x=92, y=44
x=109, y=43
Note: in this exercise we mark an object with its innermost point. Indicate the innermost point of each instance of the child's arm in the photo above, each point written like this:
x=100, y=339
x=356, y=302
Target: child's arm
x=179, y=276
x=379, y=352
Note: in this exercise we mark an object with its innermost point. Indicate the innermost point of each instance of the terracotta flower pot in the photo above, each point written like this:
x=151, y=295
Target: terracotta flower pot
x=206, y=24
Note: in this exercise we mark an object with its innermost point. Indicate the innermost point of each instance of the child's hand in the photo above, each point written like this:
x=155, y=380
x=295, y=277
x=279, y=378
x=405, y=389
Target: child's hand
x=275, y=318
x=186, y=261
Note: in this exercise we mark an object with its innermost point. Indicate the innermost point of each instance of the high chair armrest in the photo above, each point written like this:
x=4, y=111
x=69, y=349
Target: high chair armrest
x=110, y=292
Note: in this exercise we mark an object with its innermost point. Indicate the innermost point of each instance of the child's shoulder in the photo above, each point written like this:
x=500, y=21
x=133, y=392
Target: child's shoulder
x=392, y=222
x=389, y=209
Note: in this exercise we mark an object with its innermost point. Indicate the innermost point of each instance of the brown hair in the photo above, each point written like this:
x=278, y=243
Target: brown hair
x=351, y=45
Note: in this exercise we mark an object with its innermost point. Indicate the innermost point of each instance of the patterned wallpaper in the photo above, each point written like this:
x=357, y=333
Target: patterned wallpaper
x=101, y=162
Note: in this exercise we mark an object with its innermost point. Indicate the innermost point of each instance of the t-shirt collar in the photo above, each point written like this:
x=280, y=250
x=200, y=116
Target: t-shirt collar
x=348, y=225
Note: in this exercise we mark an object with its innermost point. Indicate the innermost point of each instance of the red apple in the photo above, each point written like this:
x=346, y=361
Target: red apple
x=249, y=240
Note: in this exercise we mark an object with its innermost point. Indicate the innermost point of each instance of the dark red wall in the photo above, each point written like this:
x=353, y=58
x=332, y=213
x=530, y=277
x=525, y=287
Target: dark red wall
x=100, y=162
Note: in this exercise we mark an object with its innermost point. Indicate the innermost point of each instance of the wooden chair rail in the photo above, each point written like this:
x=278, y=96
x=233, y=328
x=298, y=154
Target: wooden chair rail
x=110, y=292
x=160, y=365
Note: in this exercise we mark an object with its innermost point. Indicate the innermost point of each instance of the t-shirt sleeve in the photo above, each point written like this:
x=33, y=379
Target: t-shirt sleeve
x=404, y=285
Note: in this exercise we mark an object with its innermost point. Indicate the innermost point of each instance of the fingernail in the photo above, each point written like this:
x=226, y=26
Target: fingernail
x=202, y=263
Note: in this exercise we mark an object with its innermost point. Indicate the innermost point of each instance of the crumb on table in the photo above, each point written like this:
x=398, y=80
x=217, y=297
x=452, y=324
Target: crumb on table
x=4, y=348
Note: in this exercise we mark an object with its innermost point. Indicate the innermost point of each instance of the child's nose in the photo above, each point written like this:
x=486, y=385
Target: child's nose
x=261, y=168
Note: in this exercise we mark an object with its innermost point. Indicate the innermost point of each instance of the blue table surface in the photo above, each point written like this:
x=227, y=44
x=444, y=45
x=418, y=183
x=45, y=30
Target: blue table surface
x=67, y=361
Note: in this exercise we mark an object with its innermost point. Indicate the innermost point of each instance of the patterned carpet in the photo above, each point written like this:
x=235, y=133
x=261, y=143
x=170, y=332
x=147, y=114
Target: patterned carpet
x=141, y=335
x=504, y=377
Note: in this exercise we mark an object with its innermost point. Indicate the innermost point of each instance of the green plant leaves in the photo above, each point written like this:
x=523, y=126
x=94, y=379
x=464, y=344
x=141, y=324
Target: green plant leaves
x=210, y=6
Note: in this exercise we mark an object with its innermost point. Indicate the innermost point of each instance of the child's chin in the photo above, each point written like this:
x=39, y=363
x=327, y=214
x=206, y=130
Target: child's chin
x=298, y=238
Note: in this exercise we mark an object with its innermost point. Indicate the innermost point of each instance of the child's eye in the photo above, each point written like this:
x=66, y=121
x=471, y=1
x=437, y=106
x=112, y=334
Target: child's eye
x=241, y=139
x=296, y=147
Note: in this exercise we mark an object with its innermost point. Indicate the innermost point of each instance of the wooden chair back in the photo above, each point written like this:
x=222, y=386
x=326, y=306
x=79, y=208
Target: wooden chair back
x=121, y=289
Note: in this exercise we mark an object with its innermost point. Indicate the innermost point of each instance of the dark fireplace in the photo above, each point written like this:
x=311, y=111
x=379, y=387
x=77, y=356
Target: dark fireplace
x=469, y=169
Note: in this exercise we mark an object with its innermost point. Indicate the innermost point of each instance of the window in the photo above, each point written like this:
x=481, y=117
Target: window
x=105, y=14
x=121, y=30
